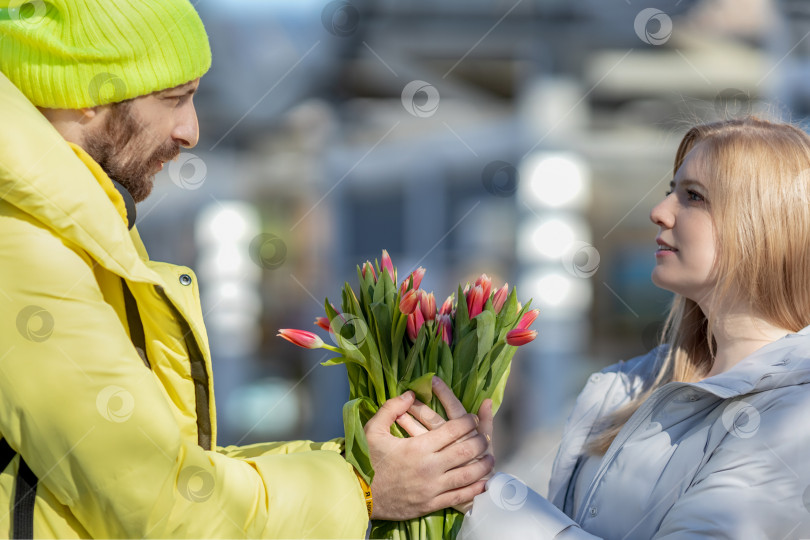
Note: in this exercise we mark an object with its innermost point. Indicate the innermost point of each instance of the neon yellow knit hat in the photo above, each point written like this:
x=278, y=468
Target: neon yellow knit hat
x=70, y=54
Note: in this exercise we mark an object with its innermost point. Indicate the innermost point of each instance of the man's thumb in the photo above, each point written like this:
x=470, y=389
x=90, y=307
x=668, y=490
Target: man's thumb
x=390, y=411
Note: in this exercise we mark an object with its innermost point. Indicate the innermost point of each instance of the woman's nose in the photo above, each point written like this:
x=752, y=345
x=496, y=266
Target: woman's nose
x=662, y=214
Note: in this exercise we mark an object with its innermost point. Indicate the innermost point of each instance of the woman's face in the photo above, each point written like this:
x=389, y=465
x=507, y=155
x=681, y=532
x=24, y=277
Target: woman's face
x=685, y=225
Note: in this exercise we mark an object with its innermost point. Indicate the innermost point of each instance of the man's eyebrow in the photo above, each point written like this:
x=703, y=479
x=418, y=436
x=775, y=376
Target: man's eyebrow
x=191, y=90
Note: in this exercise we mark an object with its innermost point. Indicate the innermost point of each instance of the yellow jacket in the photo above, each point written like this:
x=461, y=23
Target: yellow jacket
x=122, y=448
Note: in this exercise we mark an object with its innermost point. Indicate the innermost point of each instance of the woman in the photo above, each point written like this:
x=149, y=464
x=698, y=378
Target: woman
x=707, y=435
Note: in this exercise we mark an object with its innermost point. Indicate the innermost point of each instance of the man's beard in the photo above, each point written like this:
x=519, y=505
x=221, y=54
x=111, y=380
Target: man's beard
x=122, y=149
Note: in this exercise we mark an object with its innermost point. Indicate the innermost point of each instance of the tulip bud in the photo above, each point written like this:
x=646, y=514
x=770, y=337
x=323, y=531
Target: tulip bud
x=428, y=305
x=302, y=338
x=323, y=322
x=409, y=301
x=447, y=307
x=486, y=284
x=520, y=336
x=527, y=319
x=500, y=298
x=475, y=301
x=368, y=266
x=445, y=328
x=418, y=274
x=415, y=322
x=388, y=265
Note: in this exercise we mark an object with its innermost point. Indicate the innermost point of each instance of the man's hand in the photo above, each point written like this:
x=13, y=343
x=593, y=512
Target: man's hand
x=419, y=475
x=428, y=419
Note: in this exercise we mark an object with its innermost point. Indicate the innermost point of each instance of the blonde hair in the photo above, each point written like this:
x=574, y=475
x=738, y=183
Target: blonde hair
x=760, y=208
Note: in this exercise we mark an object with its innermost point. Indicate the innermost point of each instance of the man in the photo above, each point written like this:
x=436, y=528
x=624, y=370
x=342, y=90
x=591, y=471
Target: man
x=107, y=413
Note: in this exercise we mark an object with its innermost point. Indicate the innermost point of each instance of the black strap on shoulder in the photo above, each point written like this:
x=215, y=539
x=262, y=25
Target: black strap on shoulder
x=7, y=453
x=25, y=494
x=24, y=499
x=136, y=333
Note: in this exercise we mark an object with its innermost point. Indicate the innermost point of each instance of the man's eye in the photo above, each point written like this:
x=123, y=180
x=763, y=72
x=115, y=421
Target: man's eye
x=667, y=193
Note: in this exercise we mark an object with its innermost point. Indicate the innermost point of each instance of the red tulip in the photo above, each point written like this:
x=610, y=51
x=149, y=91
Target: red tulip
x=302, y=338
x=323, y=322
x=409, y=301
x=475, y=301
x=500, y=298
x=369, y=266
x=447, y=307
x=520, y=336
x=415, y=322
x=486, y=284
x=428, y=305
x=528, y=319
x=445, y=328
x=388, y=265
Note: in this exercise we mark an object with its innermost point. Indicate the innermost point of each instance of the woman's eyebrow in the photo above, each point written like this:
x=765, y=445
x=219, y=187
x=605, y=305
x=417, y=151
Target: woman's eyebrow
x=687, y=182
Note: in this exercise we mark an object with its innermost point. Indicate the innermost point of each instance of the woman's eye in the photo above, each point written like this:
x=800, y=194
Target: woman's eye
x=667, y=193
x=694, y=195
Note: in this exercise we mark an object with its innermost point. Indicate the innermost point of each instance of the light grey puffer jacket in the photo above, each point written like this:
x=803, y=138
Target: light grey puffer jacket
x=726, y=457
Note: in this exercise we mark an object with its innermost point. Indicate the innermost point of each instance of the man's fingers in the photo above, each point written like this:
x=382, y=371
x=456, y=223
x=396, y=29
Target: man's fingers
x=411, y=426
x=461, y=453
x=458, y=497
x=451, y=431
x=389, y=412
x=425, y=415
x=468, y=474
x=452, y=406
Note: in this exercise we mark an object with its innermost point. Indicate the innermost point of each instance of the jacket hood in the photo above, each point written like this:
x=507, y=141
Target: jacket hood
x=42, y=175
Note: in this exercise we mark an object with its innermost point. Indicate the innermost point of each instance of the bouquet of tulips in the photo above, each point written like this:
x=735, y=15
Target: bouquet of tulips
x=392, y=339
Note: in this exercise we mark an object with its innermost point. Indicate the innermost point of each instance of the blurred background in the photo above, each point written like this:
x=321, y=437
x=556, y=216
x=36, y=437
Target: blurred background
x=527, y=139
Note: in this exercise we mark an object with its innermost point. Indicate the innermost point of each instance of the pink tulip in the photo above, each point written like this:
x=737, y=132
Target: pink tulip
x=500, y=298
x=369, y=266
x=302, y=338
x=520, y=336
x=417, y=275
x=528, y=319
x=447, y=307
x=409, y=301
x=486, y=284
x=323, y=322
x=445, y=328
x=415, y=322
x=475, y=301
x=388, y=265
x=428, y=305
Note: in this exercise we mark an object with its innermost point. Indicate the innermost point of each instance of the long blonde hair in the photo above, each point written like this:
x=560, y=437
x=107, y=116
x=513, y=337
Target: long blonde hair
x=760, y=208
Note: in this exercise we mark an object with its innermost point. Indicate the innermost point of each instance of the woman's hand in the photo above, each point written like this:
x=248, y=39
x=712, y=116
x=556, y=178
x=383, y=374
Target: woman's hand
x=419, y=475
x=428, y=420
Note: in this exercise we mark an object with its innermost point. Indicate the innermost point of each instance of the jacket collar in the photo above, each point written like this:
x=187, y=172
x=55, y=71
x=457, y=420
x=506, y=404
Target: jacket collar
x=44, y=177
x=784, y=362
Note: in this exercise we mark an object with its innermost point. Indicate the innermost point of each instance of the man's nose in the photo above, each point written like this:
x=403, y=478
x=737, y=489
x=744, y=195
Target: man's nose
x=186, y=131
